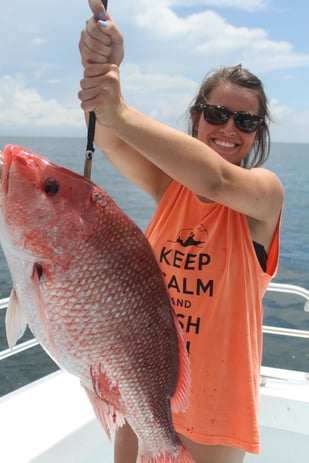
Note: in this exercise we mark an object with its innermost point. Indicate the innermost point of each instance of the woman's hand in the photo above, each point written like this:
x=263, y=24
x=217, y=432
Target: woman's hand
x=101, y=92
x=101, y=41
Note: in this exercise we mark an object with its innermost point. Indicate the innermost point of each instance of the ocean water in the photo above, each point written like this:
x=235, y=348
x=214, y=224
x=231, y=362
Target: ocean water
x=289, y=161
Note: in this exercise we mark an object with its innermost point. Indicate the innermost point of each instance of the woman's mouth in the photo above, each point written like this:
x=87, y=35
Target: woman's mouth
x=224, y=143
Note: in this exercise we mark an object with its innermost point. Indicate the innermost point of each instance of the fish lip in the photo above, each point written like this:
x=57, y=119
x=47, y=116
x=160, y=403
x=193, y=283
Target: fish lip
x=1, y=162
x=5, y=162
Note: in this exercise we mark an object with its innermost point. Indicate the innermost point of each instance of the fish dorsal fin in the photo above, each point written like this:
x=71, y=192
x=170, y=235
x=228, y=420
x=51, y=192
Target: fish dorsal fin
x=181, y=399
x=15, y=321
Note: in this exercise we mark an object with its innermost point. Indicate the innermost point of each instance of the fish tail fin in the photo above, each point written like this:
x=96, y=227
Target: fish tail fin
x=181, y=398
x=185, y=457
x=107, y=415
x=182, y=456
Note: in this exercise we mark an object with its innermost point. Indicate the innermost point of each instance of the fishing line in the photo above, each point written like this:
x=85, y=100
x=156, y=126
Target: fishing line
x=90, y=135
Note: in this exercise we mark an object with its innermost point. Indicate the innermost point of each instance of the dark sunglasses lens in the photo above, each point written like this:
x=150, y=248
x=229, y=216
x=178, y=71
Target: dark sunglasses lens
x=247, y=122
x=215, y=115
x=218, y=115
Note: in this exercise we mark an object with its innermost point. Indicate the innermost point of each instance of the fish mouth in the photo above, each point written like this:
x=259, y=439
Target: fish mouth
x=1, y=161
x=3, y=172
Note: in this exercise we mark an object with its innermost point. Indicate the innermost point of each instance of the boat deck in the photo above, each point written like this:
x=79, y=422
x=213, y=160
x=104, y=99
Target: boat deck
x=52, y=420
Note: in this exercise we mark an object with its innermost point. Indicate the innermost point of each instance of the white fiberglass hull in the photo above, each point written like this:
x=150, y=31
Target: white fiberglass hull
x=51, y=420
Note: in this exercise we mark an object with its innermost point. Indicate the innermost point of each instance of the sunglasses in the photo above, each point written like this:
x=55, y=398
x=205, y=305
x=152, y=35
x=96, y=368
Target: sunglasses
x=218, y=115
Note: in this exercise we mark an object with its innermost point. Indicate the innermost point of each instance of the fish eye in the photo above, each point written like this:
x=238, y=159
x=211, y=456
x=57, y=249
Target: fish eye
x=51, y=187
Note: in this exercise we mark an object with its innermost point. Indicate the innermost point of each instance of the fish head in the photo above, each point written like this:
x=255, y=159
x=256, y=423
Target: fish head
x=46, y=211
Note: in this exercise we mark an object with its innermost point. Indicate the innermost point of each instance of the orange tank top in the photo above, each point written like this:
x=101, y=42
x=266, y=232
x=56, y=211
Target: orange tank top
x=216, y=286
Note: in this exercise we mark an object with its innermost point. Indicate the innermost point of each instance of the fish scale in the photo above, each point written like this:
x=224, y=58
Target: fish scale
x=87, y=283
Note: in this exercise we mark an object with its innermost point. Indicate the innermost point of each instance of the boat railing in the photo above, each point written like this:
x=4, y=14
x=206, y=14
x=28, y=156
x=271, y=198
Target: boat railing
x=284, y=288
x=273, y=287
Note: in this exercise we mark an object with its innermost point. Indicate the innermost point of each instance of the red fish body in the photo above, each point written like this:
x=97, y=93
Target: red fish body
x=87, y=283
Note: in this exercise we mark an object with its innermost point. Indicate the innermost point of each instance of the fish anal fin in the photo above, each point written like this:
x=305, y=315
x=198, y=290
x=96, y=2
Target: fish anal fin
x=181, y=398
x=105, y=400
x=15, y=321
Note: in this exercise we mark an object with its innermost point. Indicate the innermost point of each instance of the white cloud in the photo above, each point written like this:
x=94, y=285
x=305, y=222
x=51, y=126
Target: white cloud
x=170, y=46
x=161, y=96
x=206, y=37
x=23, y=108
x=161, y=6
x=53, y=81
x=38, y=41
x=289, y=123
x=248, y=5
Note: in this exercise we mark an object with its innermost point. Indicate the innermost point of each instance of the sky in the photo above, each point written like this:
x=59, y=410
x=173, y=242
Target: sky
x=170, y=45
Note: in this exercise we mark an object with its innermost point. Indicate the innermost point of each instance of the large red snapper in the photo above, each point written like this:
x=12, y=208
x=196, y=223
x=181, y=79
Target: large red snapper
x=87, y=283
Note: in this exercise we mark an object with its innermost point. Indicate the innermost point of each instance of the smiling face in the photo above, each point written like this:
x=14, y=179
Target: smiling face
x=226, y=139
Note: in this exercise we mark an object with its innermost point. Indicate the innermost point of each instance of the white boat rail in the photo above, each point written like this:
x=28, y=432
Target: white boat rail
x=291, y=289
x=273, y=287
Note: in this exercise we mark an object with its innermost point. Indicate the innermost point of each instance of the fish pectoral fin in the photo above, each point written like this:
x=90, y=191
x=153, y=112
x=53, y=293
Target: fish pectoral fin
x=110, y=418
x=15, y=321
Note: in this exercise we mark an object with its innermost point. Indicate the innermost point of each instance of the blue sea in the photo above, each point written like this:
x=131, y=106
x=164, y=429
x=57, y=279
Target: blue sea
x=289, y=161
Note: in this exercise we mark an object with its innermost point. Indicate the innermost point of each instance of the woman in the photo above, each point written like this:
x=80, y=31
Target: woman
x=215, y=233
